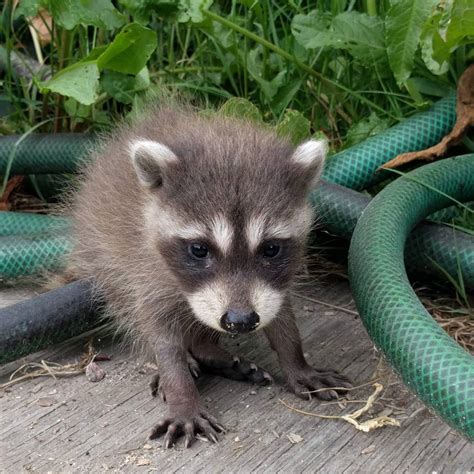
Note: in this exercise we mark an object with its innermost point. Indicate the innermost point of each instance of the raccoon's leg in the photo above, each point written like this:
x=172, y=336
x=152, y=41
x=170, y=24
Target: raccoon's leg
x=300, y=377
x=216, y=360
x=186, y=416
x=155, y=385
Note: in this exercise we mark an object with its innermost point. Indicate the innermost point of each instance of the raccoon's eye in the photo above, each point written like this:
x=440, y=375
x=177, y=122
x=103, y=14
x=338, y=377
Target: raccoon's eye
x=270, y=250
x=198, y=250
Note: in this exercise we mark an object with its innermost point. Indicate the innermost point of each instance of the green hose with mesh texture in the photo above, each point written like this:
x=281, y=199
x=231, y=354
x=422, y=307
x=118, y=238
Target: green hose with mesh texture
x=354, y=167
x=430, y=362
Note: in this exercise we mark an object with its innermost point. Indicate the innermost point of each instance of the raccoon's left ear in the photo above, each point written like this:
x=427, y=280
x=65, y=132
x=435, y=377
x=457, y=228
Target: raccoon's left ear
x=149, y=160
x=311, y=156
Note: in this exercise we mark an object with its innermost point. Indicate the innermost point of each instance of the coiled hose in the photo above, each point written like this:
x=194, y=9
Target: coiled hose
x=437, y=369
x=354, y=168
x=431, y=249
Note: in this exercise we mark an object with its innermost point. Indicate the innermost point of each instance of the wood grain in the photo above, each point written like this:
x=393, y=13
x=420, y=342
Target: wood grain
x=101, y=427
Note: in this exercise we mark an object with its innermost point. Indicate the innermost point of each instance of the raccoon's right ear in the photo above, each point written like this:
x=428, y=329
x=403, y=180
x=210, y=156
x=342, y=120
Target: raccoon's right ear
x=311, y=155
x=149, y=159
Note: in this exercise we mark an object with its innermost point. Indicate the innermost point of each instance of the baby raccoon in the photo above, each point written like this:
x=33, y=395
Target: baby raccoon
x=192, y=227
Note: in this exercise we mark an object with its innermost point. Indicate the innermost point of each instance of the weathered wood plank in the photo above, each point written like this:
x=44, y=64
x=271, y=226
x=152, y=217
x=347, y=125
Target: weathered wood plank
x=104, y=426
x=11, y=294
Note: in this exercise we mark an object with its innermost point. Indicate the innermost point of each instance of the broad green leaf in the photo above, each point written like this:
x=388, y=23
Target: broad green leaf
x=76, y=110
x=434, y=50
x=360, y=34
x=79, y=81
x=130, y=50
x=191, y=10
x=123, y=87
x=29, y=7
x=100, y=13
x=294, y=126
x=365, y=129
x=461, y=25
x=404, y=22
x=311, y=31
x=240, y=108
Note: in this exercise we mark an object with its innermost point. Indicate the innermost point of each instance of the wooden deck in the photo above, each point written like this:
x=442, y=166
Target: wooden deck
x=73, y=425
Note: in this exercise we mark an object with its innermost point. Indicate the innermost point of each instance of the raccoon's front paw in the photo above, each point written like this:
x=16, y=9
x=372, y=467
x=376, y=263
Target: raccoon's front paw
x=187, y=426
x=238, y=369
x=307, y=382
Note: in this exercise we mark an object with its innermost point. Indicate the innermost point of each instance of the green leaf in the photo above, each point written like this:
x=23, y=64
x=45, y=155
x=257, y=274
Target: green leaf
x=311, y=30
x=404, y=22
x=434, y=50
x=255, y=67
x=240, y=108
x=192, y=10
x=360, y=34
x=365, y=129
x=130, y=50
x=294, y=126
x=100, y=13
x=76, y=110
x=29, y=7
x=79, y=81
x=123, y=87
x=461, y=26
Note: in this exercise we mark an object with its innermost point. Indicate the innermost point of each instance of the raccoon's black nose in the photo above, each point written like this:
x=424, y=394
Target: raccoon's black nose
x=237, y=322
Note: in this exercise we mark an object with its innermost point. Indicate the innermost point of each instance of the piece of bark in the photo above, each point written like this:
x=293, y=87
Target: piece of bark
x=465, y=119
x=12, y=184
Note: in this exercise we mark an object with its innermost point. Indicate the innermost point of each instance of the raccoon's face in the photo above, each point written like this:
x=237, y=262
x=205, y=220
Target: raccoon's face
x=230, y=221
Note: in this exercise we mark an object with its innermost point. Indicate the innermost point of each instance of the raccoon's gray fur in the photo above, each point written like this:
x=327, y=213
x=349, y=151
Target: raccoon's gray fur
x=192, y=226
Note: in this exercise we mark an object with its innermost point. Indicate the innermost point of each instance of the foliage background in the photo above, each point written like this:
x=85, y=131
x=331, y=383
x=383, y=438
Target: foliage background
x=345, y=68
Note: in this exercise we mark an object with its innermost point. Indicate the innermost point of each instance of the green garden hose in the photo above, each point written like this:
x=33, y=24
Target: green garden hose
x=32, y=254
x=356, y=167
x=43, y=153
x=437, y=369
x=27, y=224
x=431, y=249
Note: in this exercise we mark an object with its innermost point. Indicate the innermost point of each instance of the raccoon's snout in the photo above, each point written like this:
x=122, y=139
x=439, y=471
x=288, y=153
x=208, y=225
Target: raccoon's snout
x=238, y=322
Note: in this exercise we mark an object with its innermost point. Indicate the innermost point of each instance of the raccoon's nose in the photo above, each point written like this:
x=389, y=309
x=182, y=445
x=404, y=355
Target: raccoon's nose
x=238, y=322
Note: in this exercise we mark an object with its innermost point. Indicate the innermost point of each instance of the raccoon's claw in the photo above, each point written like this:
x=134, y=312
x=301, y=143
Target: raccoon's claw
x=308, y=382
x=155, y=387
x=193, y=366
x=173, y=428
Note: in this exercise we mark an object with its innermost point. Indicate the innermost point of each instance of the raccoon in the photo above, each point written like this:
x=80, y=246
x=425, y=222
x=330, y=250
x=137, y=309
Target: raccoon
x=192, y=227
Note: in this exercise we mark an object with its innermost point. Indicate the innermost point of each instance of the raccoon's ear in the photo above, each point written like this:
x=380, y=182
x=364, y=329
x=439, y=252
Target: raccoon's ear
x=311, y=155
x=149, y=160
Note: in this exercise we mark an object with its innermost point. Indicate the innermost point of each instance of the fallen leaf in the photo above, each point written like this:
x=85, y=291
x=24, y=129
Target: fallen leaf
x=143, y=462
x=465, y=119
x=294, y=438
x=368, y=450
x=46, y=401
